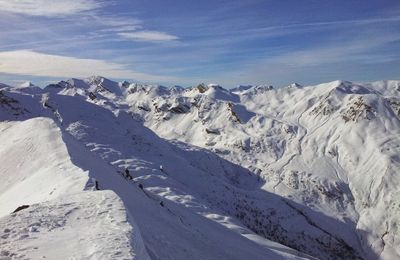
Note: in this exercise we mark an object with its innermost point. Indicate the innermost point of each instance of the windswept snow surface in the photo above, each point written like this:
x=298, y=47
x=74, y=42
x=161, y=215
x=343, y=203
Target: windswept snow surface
x=248, y=173
x=85, y=225
x=34, y=164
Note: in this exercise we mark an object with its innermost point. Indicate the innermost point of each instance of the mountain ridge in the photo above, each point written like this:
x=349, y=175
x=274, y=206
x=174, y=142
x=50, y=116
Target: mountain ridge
x=305, y=149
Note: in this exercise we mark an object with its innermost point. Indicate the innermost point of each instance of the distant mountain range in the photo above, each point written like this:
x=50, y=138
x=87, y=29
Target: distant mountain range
x=121, y=170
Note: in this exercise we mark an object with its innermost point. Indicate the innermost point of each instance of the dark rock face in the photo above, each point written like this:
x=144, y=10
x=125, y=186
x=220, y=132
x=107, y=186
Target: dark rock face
x=20, y=208
x=358, y=109
x=11, y=105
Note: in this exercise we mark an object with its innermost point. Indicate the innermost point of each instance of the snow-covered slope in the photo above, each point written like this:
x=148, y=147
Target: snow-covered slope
x=333, y=147
x=225, y=172
x=85, y=225
x=56, y=147
x=62, y=221
x=32, y=151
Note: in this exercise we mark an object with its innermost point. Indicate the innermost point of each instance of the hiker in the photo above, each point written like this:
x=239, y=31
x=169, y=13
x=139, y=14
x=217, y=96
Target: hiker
x=95, y=184
x=127, y=175
x=140, y=186
x=161, y=168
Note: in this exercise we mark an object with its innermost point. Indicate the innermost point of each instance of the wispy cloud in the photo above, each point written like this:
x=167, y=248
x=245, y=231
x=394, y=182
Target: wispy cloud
x=26, y=62
x=152, y=36
x=115, y=23
x=123, y=27
x=328, y=62
x=49, y=8
x=203, y=41
x=350, y=50
x=131, y=29
x=350, y=22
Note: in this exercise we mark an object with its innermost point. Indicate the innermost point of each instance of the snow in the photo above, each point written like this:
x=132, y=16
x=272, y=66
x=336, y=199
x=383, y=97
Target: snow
x=22, y=171
x=249, y=173
x=26, y=84
x=322, y=146
x=85, y=225
x=56, y=144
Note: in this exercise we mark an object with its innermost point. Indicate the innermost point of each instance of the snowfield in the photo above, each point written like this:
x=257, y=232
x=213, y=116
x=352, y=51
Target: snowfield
x=33, y=151
x=86, y=225
x=248, y=173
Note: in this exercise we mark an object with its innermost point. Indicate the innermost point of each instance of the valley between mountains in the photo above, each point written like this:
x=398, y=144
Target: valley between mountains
x=254, y=172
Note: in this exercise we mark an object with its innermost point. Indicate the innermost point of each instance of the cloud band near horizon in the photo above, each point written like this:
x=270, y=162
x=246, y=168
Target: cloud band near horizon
x=31, y=63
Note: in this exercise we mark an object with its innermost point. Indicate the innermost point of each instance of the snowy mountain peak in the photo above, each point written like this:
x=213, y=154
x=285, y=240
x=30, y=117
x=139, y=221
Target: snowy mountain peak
x=75, y=83
x=219, y=93
x=94, y=84
x=241, y=88
x=27, y=84
x=295, y=85
x=101, y=84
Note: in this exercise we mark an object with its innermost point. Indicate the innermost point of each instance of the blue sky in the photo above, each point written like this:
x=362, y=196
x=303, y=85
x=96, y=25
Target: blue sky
x=187, y=42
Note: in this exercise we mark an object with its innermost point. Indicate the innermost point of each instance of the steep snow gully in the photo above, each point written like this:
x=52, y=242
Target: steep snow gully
x=108, y=170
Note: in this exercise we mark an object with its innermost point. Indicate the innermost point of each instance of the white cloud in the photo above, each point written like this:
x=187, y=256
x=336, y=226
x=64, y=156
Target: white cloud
x=153, y=36
x=26, y=62
x=117, y=21
x=49, y=8
x=124, y=27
